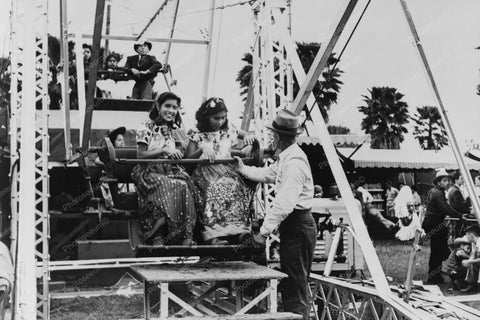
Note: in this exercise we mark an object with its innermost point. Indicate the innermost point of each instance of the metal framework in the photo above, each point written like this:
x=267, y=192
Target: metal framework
x=29, y=126
x=274, y=61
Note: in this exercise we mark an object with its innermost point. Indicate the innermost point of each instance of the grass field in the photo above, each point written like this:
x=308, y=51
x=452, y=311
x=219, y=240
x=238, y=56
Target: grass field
x=393, y=256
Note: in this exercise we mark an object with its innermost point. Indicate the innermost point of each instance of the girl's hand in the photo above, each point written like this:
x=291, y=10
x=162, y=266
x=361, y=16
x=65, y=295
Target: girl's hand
x=249, y=138
x=208, y=152
x=174, y=154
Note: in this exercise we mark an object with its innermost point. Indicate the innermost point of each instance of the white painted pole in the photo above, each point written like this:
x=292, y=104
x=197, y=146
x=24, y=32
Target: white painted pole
x=26, y=302
x=208, y=54
x=82, y=103
x=66, y=76
x=320, y=130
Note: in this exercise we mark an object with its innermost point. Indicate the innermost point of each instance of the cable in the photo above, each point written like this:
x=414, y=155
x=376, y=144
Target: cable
x=309, y=111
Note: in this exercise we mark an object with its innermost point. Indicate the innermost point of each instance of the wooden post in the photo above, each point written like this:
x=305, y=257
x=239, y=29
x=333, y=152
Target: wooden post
x=64, y=56
x=332, y=251
x=92, y=79
x=107, y=30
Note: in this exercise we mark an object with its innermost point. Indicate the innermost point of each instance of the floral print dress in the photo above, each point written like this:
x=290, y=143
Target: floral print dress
x=225, y=198
x=164, y=190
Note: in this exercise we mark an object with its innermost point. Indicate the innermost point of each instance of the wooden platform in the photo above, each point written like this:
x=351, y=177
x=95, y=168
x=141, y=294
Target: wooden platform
x=216, y=275
x=266, y=316
x=214, y=271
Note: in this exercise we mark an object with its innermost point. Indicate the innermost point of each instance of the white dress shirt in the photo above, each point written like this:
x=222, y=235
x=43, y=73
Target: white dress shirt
x=293, y=180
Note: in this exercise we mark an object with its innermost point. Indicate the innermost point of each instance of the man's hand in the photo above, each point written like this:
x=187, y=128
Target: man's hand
x=249, y=138
x=260, y=239
x=240, y=165
x=135, y=71
x=466, y=263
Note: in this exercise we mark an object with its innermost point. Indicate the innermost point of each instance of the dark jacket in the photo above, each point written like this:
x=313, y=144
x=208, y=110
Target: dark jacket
x=438, y=208
x=456, y=200
x=148, y=63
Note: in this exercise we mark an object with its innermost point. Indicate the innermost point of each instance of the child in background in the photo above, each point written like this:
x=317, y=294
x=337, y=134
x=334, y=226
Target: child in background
x=455, y=268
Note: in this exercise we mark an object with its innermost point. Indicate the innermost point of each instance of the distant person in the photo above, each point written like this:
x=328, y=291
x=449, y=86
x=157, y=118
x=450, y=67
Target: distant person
x=372, y=211
x=87, y=60
x=317, y=191
x=477, y=185
x=391, y=193
x=455, y=196
x=435, y=227
x=111, y=62
x=144, y=69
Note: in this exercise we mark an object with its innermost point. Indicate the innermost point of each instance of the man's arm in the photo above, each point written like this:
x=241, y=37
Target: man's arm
x=443, y=207
x=156, y=65
x=264, y=175
x=459, y=203
x=286, y=198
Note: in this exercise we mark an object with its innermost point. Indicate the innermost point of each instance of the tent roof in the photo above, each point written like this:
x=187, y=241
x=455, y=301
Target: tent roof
x=408, y=157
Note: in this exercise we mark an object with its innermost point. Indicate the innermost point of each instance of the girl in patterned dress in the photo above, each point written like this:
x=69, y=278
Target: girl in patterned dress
x=225, y=198
x=166, y=192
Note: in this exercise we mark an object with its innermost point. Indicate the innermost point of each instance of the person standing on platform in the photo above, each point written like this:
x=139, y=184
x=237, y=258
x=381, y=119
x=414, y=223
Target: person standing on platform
x=435, y=226
x=291, y=210
x=144, y=69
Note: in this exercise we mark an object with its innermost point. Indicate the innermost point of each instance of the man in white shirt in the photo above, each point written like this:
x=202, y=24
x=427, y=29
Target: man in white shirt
x=291, y=210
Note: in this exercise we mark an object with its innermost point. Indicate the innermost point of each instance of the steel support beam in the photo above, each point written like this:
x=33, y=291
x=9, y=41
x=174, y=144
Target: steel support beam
x=166, y=40
x=321, y=59
x=64, y=56
x=208, y=53
x=321, y=131
x=26, y=299
x=92, y=79
x=443, y=112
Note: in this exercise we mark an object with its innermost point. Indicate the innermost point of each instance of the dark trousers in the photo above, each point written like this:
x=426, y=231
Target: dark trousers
x=297, y=242
x=142, y=90
x=438, y=233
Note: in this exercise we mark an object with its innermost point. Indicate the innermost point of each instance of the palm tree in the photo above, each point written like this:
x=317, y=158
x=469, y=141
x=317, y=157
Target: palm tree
x=325, y=91
x=429, y=129
x=385, y=117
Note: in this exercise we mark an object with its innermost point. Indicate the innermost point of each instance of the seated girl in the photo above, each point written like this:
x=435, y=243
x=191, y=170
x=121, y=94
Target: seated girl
x=225, y=198
x=166, y=192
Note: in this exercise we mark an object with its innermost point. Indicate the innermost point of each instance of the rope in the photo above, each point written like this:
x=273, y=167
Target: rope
x=153, y=19
x=309, y=111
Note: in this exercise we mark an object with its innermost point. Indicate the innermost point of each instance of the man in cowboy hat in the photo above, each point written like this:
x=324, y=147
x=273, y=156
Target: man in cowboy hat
x=291, y=210
x=144, y=69
x=434, y=225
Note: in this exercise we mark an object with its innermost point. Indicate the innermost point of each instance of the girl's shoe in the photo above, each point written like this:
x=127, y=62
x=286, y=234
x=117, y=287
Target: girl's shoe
x=218, y=242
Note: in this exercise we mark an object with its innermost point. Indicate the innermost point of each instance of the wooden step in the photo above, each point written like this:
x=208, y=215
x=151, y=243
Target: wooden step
x=263, y=316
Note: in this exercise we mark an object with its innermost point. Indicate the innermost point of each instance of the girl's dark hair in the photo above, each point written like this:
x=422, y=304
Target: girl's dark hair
x=112, y=55
x=209, y=108
x=153, y=115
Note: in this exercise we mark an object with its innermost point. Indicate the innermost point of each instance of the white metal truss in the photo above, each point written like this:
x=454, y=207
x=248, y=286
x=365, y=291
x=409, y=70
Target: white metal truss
x=271, y=81
x=29, y=123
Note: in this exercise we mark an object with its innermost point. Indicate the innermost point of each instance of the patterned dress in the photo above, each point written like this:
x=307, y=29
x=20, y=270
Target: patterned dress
x=164, y=190
x=225, y=198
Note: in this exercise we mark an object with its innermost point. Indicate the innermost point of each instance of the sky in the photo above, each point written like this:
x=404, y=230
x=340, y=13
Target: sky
x=381, y=52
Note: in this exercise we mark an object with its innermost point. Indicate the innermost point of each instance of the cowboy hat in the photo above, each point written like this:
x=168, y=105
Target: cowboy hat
x=112, y=135
x=146, y=43
x=441, y=173
x=286, y=122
